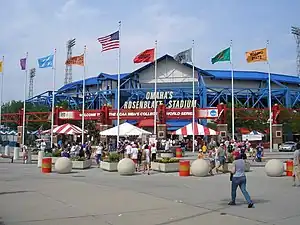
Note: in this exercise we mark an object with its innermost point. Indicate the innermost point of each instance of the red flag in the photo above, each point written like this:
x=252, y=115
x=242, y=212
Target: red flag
x=145, y=56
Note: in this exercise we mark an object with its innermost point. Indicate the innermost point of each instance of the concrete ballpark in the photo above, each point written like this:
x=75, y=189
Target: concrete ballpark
x=29, y=197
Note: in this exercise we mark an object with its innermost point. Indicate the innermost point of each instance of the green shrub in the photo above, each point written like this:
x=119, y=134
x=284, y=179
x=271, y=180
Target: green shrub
x=167, y=160
x=57, y=153
x=48, y=154
x=113, y=157
x=77, y=158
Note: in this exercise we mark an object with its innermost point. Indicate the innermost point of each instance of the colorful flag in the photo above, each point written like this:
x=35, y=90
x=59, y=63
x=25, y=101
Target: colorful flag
x=184, y=57
x=258, y=55
x=45, y=62
x=23, y=64
x=76, y=60
x=222, y=56
x=145, y=56
x=1, y=66
x=110, y=42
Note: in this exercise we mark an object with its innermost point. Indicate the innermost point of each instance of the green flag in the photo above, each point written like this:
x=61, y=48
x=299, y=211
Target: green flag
x=222, y=56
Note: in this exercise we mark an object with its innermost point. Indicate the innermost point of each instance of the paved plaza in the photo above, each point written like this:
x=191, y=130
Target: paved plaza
x=28, y=197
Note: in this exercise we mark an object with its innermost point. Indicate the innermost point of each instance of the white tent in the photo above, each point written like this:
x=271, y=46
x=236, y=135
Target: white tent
x=126, y=129
x=253, y=136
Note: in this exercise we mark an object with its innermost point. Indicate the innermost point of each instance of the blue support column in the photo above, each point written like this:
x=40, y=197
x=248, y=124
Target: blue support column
x=288, y=103
x=202, y=95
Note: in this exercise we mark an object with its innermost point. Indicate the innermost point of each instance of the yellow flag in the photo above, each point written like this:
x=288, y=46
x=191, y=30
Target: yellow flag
x=258, y=55
x=1, y=65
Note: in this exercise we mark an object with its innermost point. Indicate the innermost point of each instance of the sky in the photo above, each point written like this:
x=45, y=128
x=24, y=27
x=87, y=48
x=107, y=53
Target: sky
x=39, y=27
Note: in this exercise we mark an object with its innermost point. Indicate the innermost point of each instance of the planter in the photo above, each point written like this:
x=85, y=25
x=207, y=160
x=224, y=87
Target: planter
x=82, y=164
x=109, y=166
x=165, y=167
x=166, y=155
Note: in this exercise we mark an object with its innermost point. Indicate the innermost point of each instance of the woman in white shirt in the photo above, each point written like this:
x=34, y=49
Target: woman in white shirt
x=99, y=154
x=134, y=155
x=128, y=150
x=146, y=160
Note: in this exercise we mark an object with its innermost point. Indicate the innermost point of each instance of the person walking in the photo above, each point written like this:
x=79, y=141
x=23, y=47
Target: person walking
x=99, y=154
x=153, y=152
x=134, y=155
x=238, y=179
x=296, y=163
x=221, y=153
x=146, y=160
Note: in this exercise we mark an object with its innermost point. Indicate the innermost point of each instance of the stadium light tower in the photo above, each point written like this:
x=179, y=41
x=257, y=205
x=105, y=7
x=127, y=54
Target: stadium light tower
x=68, y=73
x=31, y=76
x=296, y=33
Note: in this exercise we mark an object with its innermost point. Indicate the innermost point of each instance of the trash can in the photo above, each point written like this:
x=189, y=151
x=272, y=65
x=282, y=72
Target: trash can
x=184, y=168
x=178, y=153
x=47, y=165
x=289, y=168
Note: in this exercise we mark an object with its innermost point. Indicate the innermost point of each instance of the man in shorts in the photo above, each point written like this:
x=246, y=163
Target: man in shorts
x=296, y=172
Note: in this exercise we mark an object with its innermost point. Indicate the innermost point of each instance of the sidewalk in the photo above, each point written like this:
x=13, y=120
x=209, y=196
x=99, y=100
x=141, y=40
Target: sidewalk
x=28, y=197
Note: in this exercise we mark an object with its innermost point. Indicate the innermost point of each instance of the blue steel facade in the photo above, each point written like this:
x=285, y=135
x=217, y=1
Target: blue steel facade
x=100, y=90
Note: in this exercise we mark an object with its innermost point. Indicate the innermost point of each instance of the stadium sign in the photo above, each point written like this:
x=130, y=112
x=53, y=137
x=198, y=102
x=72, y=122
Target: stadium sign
x=163, y=97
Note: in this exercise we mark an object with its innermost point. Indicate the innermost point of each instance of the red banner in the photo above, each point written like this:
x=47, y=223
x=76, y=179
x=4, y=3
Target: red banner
x=127, y=114
x=77, y=115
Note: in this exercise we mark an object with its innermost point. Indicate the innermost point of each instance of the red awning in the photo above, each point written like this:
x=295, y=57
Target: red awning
x=146, y=123
x=244, y=130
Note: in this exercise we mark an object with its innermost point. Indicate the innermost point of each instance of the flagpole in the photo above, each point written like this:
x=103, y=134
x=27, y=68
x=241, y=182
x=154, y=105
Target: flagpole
x=155, y=90
x=270, y=100
x=24, y=103
x=1, y=98
x=53, y=96
x=232, y=92
x=83, y=95
x=119, y=83
x=194, y=105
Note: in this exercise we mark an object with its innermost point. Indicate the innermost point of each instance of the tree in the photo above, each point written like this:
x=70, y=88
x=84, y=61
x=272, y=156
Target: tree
x=290, y=120
x=252, y=119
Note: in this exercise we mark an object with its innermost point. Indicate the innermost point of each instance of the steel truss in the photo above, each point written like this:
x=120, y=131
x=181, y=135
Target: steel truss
x=207, y=96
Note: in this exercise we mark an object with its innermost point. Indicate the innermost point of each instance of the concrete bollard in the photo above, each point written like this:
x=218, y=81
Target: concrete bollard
x=7, y=150
x=40, y=158
x=16, y=153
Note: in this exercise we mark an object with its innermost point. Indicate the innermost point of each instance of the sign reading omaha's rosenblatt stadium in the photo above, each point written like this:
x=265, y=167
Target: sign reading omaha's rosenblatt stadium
x=165, y=97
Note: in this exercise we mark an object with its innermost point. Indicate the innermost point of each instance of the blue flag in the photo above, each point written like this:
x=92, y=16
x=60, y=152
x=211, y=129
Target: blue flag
x=46, y=61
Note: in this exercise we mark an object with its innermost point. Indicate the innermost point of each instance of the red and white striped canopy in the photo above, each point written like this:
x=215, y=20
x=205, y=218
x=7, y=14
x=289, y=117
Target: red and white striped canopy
x=67, y=129
x=199, y=130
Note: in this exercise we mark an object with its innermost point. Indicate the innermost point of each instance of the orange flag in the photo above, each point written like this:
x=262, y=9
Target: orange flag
x=258, y=55
x=76, y=60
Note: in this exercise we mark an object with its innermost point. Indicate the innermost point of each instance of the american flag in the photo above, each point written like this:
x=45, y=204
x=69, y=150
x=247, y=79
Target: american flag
x=110, y=42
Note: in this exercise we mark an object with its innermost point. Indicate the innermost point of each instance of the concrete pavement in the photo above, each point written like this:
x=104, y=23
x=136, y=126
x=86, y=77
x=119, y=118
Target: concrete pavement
x=29, y=197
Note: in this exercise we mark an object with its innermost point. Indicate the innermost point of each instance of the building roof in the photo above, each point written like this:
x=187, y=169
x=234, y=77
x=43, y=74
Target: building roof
x=215, y=74
x=253, y=75
x=94, y=80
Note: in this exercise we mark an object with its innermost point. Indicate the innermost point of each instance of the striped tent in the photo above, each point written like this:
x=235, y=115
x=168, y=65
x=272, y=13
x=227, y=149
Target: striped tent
x=199, y=130
x=67, y=129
